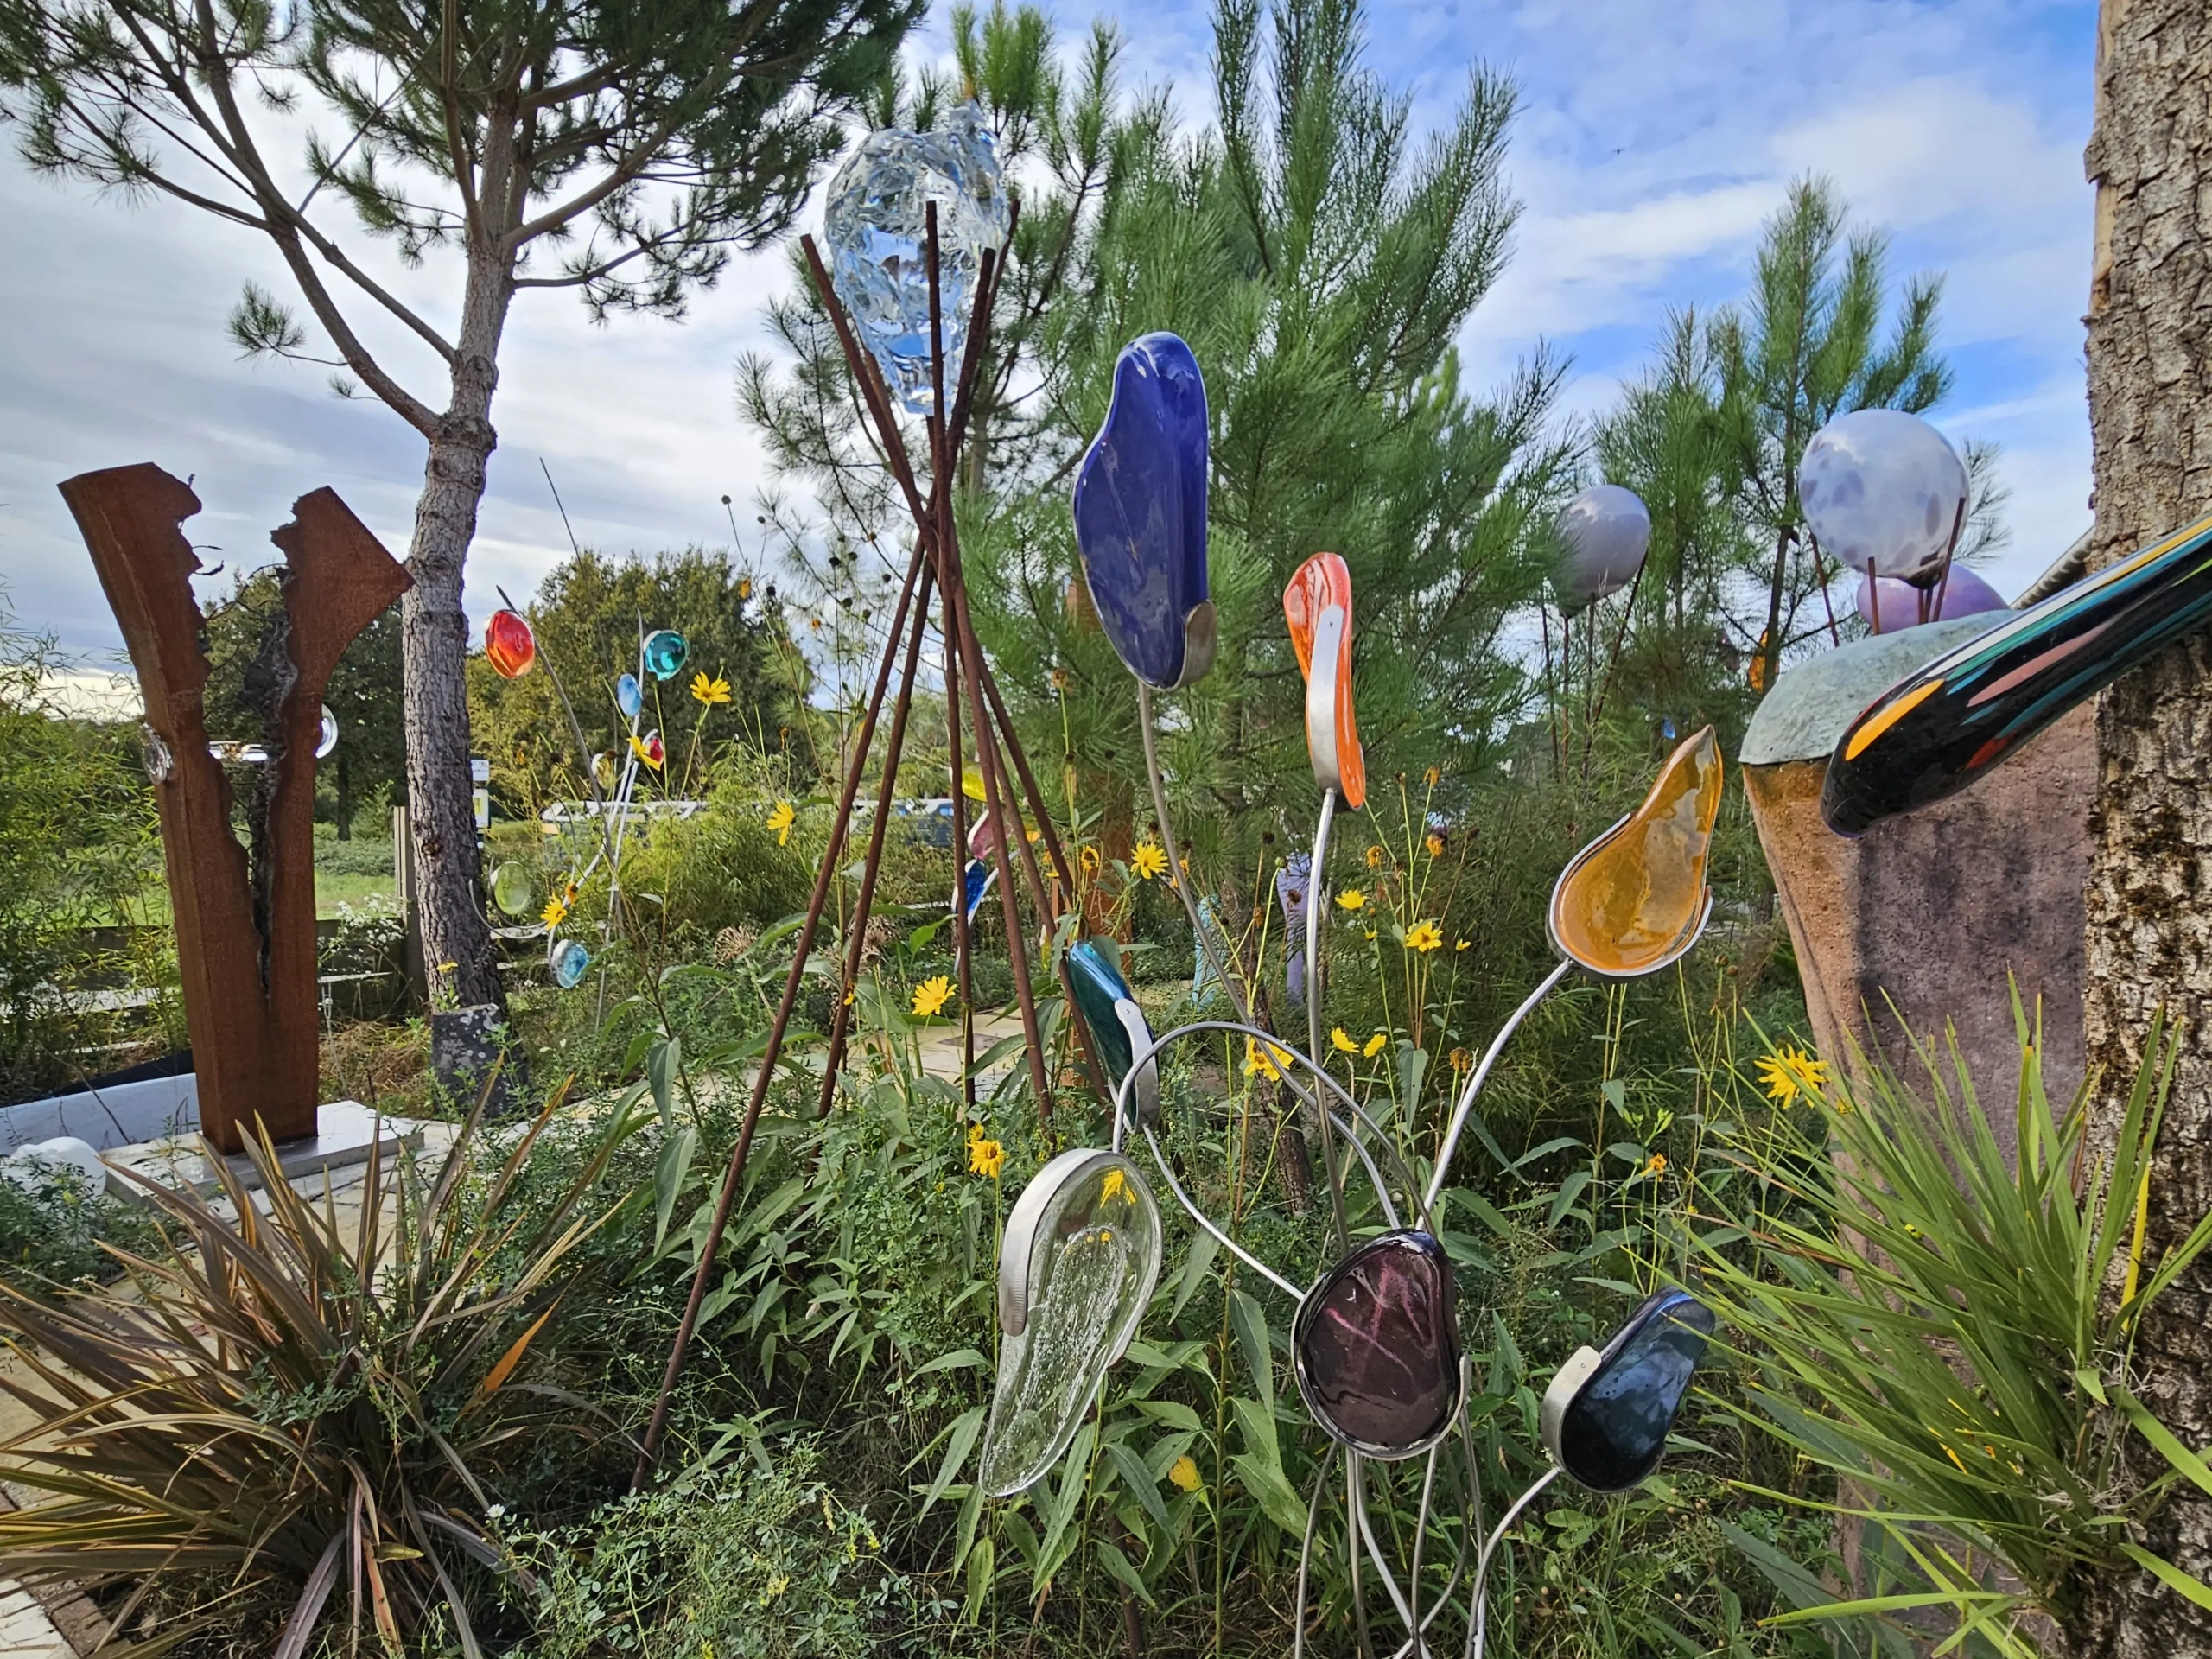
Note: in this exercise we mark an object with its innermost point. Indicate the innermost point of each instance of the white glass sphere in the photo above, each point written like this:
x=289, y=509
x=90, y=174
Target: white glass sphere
x=1603, y=534
x=1883, y=491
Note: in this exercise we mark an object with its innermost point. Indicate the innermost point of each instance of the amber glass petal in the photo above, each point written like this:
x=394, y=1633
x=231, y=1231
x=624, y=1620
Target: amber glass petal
x=1635, y=899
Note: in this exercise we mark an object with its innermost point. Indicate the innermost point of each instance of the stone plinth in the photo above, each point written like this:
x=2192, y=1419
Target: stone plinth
x=1919, y=921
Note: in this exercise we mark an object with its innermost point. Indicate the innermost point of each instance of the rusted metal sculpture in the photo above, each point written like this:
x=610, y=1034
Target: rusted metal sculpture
x=244, y=919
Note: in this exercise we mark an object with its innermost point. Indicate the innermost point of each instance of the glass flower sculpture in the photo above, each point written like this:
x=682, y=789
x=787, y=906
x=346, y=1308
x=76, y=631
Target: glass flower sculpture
x=1318, y=606
x=1939, y=729
x=877, y=228
x=1117, y=1025
x=565, y=962
x=1603, y=534
x=1141, y=515
x=1076, y=1266
x=509, y=645
x=1635, y=899
x=1885, y=492
x=513, y=889
x=1376, y=1347
x=1606, y=1416
x=665, y=652
x=629, y=695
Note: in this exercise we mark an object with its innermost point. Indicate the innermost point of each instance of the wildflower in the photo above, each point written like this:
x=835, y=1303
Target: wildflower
x=932, y=994
x=1351, y=898
x=709, y=691
x=1461, y=1059
x=1265, y=1060
x=1374, y=858
x=1375, y=1044
x=1431, y=776
x=781, y=821
x=1149, y=859
x=1090, y=860
x=1424, y=937
x=1463, y=945
x=985, y=1156
x=1341, y=1040
x=1791, y=1072
x=1184, y=1473
x=1656, y=1165
x=649, y=751
x=745, y=587
x=554, y=913
x=1434, y=843
x=1061, y=680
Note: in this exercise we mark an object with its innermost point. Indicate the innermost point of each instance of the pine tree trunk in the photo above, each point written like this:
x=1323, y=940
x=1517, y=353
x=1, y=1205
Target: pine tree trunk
x=433, y=645
x=2150, y=892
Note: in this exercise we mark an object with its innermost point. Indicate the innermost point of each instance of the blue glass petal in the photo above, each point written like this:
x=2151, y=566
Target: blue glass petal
x=629, y=695
x=1098, y=986
x=975, y=881
x=1141, y=515
x=665, y=652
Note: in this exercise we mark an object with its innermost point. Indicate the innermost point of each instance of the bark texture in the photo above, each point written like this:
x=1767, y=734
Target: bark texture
x=2149, y=901
x=434, y=645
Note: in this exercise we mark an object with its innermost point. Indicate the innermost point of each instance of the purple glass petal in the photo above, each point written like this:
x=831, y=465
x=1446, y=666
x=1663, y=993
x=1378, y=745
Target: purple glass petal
x=1291, y=882
x=1376, y=1347
x=1141, y=515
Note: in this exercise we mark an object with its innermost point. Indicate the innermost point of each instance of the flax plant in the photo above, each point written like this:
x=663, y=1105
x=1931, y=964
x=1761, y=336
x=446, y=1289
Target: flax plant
x=1946, y=1325
x=283, y=1402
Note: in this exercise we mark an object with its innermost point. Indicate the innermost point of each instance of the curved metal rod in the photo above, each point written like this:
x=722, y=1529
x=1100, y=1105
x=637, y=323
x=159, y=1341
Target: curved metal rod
x=1477, y=1628
x=1314, y=903
x=1122, y=1116
x=1450, y=1140
x=1220, y=1237
x=1420, y=1538
x=1365, y=1532
x=1306, y=1552
x=1177, y=878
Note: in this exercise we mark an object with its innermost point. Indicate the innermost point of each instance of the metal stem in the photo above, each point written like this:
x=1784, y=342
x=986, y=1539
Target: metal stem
x=1316, y=897
x=1474, y=1085
x=1477, y=1630
x=1176, y=877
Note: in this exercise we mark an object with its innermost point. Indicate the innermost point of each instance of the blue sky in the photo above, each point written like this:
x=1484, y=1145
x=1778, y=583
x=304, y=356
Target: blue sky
x=1652, y=141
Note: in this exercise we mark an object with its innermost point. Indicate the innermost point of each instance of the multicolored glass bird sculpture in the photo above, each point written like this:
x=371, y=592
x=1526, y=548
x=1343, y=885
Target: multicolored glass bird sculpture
x=1939, y=729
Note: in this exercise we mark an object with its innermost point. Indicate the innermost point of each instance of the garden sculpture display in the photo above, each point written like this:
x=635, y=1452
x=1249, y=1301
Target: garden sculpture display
x=1943, y=726
x=916, y=224
x=245, y=915
x=1374, y=1343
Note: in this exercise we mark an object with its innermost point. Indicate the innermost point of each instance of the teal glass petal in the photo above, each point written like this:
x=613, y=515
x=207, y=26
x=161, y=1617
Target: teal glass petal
x=1076, y=1268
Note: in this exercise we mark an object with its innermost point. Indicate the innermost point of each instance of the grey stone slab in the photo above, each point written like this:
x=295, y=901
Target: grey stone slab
x=1813, y=704
x=345, y=1131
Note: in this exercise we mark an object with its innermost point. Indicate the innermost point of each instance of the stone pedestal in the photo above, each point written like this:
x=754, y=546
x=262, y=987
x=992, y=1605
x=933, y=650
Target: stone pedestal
x=345, y=1133
x=1920, y=921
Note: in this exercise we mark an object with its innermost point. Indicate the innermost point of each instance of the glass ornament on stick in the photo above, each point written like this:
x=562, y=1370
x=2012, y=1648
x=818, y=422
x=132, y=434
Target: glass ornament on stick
x=1885, y=492
x=876, y=225
x=1604, y=533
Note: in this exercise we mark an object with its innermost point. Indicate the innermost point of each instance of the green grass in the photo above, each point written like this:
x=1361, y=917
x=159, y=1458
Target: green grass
x=332, y=890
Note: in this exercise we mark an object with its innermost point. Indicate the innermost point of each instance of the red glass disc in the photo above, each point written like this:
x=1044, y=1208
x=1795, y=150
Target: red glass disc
x=509, y=645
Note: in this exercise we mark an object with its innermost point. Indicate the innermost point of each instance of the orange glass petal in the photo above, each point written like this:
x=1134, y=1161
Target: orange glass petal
x=1635, y=899
x=1318, y=607
x=509, y=645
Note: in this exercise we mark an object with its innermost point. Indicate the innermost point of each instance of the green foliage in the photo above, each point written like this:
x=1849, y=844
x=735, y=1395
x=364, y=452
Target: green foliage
x=77, y=846
x=589, y=614
x=1946, y=1322
x=53, y=1227
x=736, y=1561
x=285, y=1402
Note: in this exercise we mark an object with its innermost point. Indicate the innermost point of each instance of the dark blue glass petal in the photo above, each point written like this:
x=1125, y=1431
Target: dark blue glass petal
x=1098, y=986
x=1615, y=1432
x=1141, y=515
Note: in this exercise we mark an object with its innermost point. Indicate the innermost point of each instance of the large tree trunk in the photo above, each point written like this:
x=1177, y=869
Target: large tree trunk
x=433, y=645
x=2149, y=890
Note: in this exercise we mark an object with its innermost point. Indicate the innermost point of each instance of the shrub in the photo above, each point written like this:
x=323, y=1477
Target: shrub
x=52, y=1226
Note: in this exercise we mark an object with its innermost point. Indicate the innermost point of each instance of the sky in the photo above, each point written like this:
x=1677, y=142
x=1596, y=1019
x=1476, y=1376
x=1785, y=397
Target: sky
x=1653, y=141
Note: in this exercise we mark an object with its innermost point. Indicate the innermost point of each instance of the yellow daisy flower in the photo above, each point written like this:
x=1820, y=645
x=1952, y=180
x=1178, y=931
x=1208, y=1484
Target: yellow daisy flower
x=932, y=994
x=780, y=820
x=1183, y=1473
x=1150, y=859
x=643, y=751
x=1351, y=898
x=1341, y=1040
x=1424, y=937
x=709, y=691
x=1434, y=843
x=1430, y=776
x=745, y=587
x=1375, y=1044
x=985, y=1156
x=1374, y=858
x=554, y=913
x=1265, y=1060
x=1463, y=945
x=1790, y=1072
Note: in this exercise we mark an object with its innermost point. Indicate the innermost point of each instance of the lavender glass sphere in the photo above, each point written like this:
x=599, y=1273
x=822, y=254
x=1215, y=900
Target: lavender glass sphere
x=1888, y=604
x=1883, y=491
x=1602, y=533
